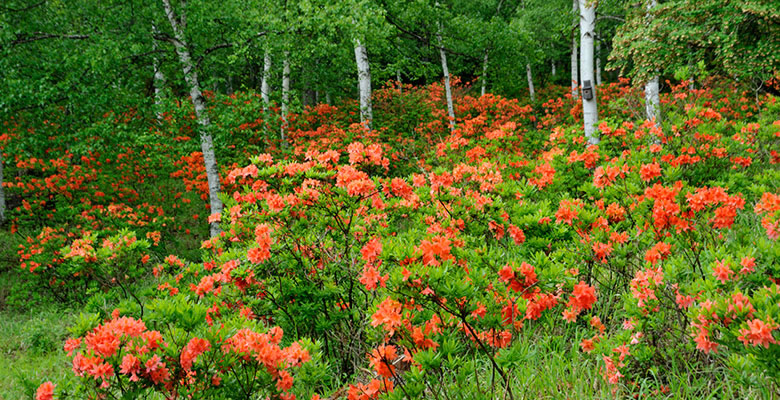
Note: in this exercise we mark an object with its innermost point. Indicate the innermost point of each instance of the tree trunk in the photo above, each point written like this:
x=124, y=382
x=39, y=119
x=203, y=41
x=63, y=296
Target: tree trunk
x=206, y=142
x=552, y=67
x=652, y=100
x=530, y=78
x=285, y=92
x=575, y=74
x=158, y=82
x=2, y=191
x=398, y=78
x=447, y=88
x=265, y=88
x=364, y=84
x=652, y=97
x=598, y=62
x=327, y=98
x=590, y=112
x=484, y=73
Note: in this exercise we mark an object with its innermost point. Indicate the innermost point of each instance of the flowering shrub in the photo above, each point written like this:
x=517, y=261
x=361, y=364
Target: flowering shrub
x=401, y=264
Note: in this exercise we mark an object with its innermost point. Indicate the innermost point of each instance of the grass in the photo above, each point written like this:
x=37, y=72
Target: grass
x=31, y=351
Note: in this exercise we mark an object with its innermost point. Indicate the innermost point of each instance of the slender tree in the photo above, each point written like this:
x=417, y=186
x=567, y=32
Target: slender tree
x=529, y=76
x=575, y=73
x=589, y=107
x=446, y=71
x=652, y=97
x=598, y=61
x=364, y=84
x=265, y=86
x=484, y=73
x=285, y=92
x=2, y=192
x=178, y=25
x=159, y=80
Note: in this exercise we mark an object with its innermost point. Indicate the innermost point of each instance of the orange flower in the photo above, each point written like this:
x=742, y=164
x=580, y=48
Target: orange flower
x=388, y=314
x=583, y=296
x=381, y=360
x=45, y=391
x=758, y=333
x=722, y=271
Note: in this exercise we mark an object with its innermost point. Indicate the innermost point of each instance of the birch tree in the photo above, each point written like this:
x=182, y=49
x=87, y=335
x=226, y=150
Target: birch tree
x=598, y=61
x=575, y=73
x=446, y=72
x=265, y=86
x=529, y=76
x=285, y=92
x=364, y=84
x=158, y=80
x=652, y=97
x=178, y=26
x=2, y=191
x=484, y=73
x=590, y=112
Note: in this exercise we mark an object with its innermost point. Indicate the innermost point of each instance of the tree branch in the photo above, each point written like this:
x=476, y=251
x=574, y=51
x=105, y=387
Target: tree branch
x=613, y=17
x=30, y=7
x=35, y=36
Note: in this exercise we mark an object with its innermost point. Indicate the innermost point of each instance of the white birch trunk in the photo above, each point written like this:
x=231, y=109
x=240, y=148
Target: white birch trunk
x=552, y=67
x=265, y=87
x=598, y=62
x=158, y=81
x=206, y=142
x=590, y=114
x=575, y=73
x=2, y=192
x=285, y=92
x=530, y=78
x=484, y=73
x=652, y=97
x=652, y=100
x=327, y=98
x=398, y=78
x=447, y=88
x=364, y=84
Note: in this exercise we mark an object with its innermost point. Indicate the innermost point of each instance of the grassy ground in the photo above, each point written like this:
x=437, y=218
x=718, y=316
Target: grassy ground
x=552, y=365
x=552, y=368
x=31, y=351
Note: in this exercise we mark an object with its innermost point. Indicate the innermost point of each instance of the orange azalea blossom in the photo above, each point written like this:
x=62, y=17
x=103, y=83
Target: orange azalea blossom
x=388, y=314
x=758, y=333
x=382, y=359
x=45, y=391
x=722, y=271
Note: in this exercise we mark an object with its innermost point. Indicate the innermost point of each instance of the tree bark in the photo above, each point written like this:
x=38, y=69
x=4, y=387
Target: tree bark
x=598, y=62
x=2, y=191
x=552, y=67
x=484, y=73
x=398, y=78
x=158, y=81
x=265, y=88
x=652, y=97
x=575, y=73
x=364, y=84
x=590, y=112
x=206, y=142
x=530, y=78
x=447, y=88
x=285, y=93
